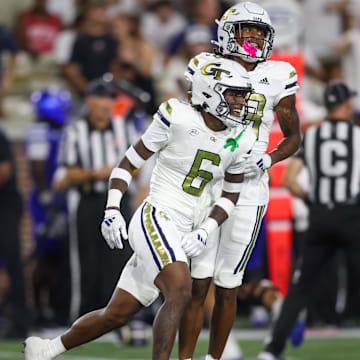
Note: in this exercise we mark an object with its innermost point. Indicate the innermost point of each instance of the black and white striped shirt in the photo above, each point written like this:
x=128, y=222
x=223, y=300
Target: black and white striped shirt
x=331, y=152
x=89, y=148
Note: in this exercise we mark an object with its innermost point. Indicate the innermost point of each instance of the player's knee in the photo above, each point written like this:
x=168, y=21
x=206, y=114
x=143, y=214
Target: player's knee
x=175, y=282
x=245, y=291
x=181, y=292
x=114, y=318
x=179, y=295
x=225, y=297
x=200, y=289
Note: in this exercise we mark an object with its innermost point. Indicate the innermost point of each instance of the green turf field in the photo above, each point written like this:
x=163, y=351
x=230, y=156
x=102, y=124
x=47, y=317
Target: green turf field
x=312, y=349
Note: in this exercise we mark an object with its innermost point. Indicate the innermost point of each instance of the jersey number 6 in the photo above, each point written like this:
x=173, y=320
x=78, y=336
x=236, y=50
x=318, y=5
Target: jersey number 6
x=196, y=172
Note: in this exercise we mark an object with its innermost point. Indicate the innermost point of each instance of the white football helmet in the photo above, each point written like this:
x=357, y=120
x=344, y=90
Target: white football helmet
x=211, y=79
x=229, y=31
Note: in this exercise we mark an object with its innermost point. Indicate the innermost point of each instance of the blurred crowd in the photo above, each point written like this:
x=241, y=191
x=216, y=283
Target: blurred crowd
x=52, y=51
x=148, y=42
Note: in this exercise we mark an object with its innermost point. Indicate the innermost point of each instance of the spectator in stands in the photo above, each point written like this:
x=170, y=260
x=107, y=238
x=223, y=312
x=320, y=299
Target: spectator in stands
x=348, y=49
x=50, y=278
x=161, y=23
x=172, y=82
x=132, y=47
x=94, y=48
x=131, y=7
x=203, y=12
x=7, y=44
x=36, y=29
x=126, y=74
x=65, y=9
x=65, y=42
x=10, y=250
x=325, y=21
x=10, y=9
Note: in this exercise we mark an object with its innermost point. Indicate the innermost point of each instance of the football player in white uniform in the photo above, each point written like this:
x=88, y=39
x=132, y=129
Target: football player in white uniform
x=245, y=35
x=189, y=140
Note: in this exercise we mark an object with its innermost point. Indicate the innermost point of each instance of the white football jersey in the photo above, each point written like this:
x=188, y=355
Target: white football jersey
x=191, y=157
x=271, y=81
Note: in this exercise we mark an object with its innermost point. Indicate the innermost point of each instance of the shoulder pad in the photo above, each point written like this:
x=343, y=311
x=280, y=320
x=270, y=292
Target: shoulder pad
x=201, y=58
x=281, y=70
x=196, y=62
x=166, y=111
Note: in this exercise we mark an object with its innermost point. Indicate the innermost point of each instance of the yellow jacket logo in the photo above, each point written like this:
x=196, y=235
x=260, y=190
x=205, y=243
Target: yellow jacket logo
x=209, y=69
x=227, y=12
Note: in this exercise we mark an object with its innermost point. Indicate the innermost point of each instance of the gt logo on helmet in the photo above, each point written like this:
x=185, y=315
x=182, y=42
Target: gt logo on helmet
x=225, y=16
x=216, y=72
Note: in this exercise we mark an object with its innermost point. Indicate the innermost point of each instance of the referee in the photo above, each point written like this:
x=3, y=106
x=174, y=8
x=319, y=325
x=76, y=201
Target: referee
x=91, y=148
x=331, y=152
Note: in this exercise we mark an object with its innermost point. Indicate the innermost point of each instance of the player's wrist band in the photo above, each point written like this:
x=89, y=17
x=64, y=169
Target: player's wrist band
x=267, y=161
x=122, y=174
x=113, y=208
x=135, y=159
x=209, y=225
x=114, y=198
x=226, y=204
x=232, y=187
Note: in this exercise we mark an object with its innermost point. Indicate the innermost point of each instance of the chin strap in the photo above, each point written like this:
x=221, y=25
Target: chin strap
x=233, y=142
x=214, y=42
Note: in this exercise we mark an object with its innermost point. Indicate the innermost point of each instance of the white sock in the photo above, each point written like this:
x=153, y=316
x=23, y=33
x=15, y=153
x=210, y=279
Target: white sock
x=232, y=349
x=209, y=357
x=56, y=347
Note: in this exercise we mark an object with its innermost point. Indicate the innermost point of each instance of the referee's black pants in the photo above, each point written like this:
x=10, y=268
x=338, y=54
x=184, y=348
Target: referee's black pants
x=10, y=251
x=99, y=265
x=329, y=230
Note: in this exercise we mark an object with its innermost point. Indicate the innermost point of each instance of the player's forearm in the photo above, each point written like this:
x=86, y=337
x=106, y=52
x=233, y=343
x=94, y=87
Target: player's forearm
x=125, y=172
x=221, y=213
x=290, y=126
x=286, y=147
x=121, y=176
x=229, y=197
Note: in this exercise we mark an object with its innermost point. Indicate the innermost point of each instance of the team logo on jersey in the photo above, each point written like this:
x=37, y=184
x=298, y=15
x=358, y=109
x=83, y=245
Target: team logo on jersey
x=194, y=132
x=213, y=138
x=264, y=81
x=209, y=69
